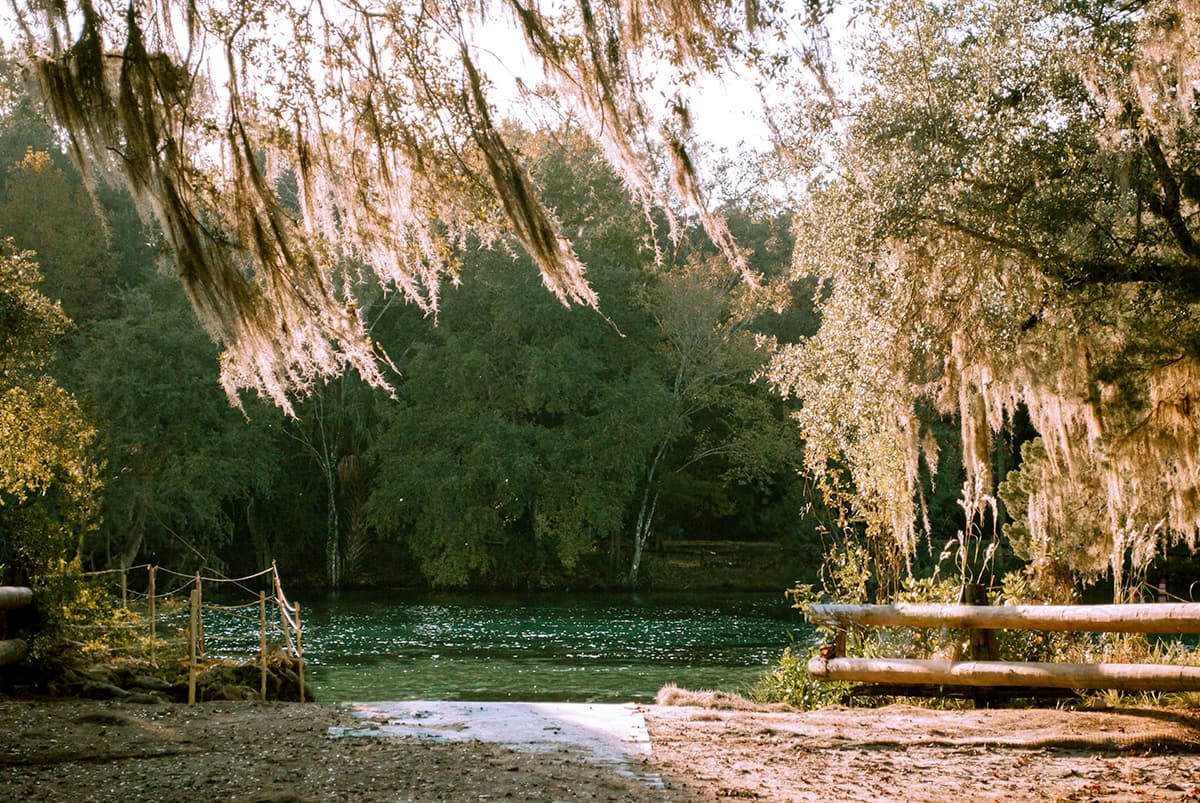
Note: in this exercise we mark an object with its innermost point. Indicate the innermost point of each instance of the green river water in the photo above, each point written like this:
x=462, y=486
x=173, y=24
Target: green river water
x=577, y=647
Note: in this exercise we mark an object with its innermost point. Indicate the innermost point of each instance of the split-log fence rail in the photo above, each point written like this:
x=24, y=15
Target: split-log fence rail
x=982, y=671
x=13, y=650
x=289, y=624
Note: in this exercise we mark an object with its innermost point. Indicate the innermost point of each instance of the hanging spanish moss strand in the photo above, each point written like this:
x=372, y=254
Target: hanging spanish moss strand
x=381, y=115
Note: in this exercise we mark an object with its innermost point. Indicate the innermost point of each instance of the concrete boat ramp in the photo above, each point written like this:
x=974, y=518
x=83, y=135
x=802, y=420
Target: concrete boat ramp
x=608, y=734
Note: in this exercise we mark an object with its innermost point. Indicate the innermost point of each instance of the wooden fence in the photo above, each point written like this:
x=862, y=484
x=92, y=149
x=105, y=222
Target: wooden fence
x=983, y=670
x=286, y=625
x=13, y=650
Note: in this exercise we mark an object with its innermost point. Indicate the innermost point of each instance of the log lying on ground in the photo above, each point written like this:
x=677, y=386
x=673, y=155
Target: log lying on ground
x=15, y=596
x=1124, y=677
x=1166, y=617
x=13, y=650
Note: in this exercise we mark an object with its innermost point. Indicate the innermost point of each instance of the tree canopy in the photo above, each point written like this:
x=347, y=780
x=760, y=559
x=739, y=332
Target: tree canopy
x=538, y=422
x=529, y=442
x=387, y=117
x=998, y=226
x=1006, y=226
x=48, y=478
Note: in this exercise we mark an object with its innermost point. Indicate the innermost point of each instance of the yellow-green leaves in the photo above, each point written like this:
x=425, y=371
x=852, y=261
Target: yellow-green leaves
x=47, y=477
x=43, y=440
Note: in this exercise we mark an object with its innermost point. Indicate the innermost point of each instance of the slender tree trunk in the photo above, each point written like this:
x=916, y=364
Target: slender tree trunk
x=323, y=446
x=356, y=540
x=641, y=534
x=646, y=514
x=333, y=551
x=137, y=528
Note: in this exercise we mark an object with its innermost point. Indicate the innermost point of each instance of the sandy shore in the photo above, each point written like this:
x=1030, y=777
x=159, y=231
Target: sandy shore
x=82, y=751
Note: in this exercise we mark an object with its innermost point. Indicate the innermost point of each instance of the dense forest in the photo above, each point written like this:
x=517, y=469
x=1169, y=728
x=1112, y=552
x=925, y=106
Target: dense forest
x=520, y=443
x=950, y=334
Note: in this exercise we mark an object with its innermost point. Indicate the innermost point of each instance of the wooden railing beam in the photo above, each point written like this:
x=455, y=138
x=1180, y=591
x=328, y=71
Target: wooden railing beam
x=1178, y=617
x=15, y=597
x=1123, y=677
x=12, y=651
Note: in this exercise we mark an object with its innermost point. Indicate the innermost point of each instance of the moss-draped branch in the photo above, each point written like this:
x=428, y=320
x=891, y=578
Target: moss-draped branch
x=382, y=114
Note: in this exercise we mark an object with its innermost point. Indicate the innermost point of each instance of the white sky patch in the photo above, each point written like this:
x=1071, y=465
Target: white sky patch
x=726, y=108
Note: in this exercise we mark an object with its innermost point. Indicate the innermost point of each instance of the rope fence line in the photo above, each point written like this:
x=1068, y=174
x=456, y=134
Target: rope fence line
x=164, y=570
x=100, y=572
x=286, y=631
x=214, y=607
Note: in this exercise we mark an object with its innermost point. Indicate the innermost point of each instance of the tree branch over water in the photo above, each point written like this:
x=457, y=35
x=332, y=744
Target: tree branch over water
x=389, y=126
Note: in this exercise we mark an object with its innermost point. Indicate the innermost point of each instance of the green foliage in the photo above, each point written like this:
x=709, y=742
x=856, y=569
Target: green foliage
x=999, y=233
x=78, y=613
x=46, y=212
x=48, y=479
x=845, y=573
x=510, y=457
x=528, y=440
x=1080, y=543
x=525, y=438
x=179, y=459
x=22, y=125
x=44, y=439
x=788, y=682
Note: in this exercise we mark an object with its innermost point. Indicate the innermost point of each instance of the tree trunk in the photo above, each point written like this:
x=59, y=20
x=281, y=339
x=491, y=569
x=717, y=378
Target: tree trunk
x=356, y=540
x=333, y=547
x=646, y=513
x=641, y=534
x=138, y=529
x=262, y=545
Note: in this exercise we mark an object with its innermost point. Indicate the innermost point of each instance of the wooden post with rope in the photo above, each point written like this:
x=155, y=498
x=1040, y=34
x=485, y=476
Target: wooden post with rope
x=200, y=616
x=262, y=640
x=152, y=569
x=193, y=625
x=299, y=652
x=282, y=603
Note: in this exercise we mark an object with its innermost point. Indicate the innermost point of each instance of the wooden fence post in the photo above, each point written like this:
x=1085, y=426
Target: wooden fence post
x=262, y=639
x=200, y=617
x=124, y=588
x=283, y=612
x=982, y=644
x=193, y=624
x=299, y=651
x=152, y=569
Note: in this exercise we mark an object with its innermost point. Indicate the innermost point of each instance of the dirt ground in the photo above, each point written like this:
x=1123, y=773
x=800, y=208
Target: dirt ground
x=81, y=750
